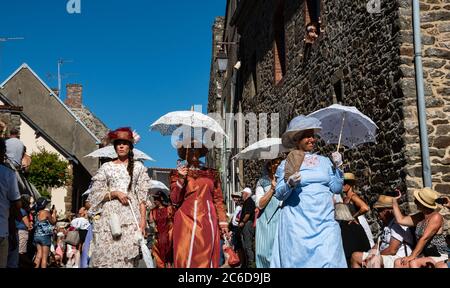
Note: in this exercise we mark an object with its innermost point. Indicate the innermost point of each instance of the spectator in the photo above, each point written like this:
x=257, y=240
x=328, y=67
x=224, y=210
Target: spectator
x=9, y=198
x=354, y=237
x=24, y=226
x=312, y=32
x=45, y=219
x=246, y=226
x=236, y=240
x=15, y=149
x=396, y=241
x=431, y=247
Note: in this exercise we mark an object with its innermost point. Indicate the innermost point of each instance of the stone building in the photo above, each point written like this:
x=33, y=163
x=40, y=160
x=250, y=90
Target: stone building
x=361, y=58
x=44, y=121
x=74, y=100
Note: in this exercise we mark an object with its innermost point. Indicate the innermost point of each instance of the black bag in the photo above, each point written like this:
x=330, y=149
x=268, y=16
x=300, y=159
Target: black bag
x=431, y=251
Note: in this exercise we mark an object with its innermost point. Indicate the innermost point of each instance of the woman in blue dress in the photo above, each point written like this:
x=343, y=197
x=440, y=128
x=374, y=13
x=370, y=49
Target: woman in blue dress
x=267, y=221
x=308, y=236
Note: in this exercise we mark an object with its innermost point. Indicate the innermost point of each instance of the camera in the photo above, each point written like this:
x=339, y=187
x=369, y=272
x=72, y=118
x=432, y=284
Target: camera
x=442, y=201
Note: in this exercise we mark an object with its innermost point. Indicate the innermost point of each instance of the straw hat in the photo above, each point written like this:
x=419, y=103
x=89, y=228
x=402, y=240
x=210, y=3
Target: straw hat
x=383, y=202
x=236, y=194
x=427, y=197
x=296, y=127
x=349, y=177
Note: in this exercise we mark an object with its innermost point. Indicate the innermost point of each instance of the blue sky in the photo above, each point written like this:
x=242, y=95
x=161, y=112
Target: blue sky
x=136, y=59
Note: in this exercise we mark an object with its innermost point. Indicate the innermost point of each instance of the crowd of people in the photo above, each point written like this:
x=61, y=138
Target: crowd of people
x=302, y=200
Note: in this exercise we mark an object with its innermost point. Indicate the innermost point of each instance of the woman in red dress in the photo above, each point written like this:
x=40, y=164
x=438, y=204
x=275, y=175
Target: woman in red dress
x=162, y=216
x=197, y=193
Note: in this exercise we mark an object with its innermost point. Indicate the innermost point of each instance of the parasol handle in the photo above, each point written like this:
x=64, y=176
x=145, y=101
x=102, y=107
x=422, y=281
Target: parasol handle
x=340, y=134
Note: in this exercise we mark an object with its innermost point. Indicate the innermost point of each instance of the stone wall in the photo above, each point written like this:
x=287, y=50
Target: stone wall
x=215, y=88
x=435, y=29
x=10, y=117
x=359, y=49
x=369, y=57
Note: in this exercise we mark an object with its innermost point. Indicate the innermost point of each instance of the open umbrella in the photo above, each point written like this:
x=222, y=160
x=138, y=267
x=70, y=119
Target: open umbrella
x=265, y=149
x=109, y=152
x=345, y=125
x=170, y=122
x=156, y=186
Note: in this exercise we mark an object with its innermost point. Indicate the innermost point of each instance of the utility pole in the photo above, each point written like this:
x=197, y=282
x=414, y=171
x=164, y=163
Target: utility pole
x=61, y=62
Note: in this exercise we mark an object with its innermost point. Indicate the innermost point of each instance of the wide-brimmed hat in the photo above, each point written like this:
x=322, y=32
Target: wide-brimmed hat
x=427, y=197
x=236, y=194
x=296, y=127
x=123, y=133
x=193, y=144
x=349, y=177
x=383, y=202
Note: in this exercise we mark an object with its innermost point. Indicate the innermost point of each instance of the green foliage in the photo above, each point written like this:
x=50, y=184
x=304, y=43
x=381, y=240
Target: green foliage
x=48, y=171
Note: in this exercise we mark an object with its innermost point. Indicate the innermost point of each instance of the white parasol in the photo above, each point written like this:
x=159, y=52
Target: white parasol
x=265, y=149
x=345, y=125
x=109, y=152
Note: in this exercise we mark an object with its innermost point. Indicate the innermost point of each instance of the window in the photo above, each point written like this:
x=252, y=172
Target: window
x=338, y=92
x=313, y=20
x=279, y=43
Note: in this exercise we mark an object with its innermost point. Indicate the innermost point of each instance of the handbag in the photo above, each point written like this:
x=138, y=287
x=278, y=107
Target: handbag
x=73, y=238
x=375, y=261
x=114, y=222
x=233, y=258
x=342, y=212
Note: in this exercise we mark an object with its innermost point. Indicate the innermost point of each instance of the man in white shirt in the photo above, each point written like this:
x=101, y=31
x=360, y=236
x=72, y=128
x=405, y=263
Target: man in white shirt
x=14, y=148
x=9, y=197
x=395, y=241
x=237, y=199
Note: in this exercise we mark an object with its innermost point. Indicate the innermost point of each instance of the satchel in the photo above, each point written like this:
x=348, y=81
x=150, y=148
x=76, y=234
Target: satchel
x=114, y=223
x=233, y=258
x=73, y=238
x=342, y=212
x=375, y=261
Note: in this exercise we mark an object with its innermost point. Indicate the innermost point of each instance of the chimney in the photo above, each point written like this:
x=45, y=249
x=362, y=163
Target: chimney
x=74, y=95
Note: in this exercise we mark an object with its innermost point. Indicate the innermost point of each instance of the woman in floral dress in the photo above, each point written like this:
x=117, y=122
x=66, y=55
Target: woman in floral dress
x=118, y=184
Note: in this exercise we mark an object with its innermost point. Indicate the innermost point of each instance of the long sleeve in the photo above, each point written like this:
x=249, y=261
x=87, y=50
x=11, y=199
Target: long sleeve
x=142, y=185
x=99, y=189
x=13, y=191
x=259, y=193
x=219, y=203
x=282, y=191
x=177, y=191
x=336, y=178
